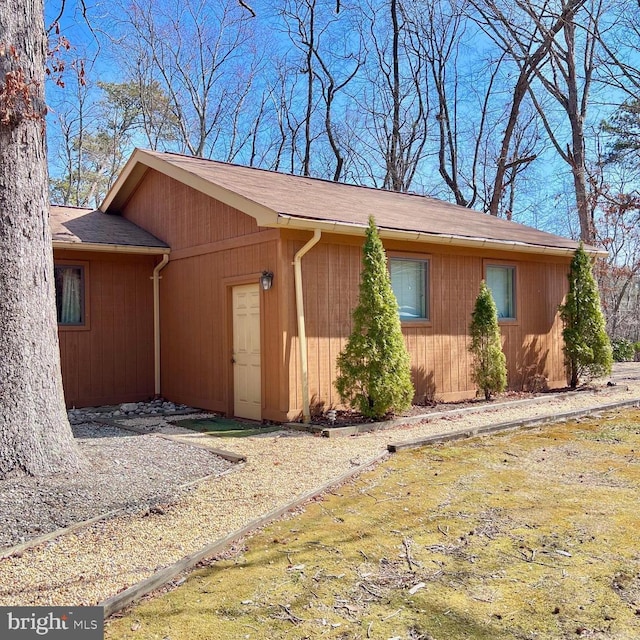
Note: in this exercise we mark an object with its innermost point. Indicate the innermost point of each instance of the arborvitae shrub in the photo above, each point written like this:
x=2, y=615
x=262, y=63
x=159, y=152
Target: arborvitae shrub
x=374, y=372
x=489, y=362
x=623, y=350
x=586, y=343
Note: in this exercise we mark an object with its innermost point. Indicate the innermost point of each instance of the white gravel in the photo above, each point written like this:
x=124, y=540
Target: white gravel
x=105, y=558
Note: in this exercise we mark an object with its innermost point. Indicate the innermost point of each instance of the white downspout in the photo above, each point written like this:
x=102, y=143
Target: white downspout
x=302, y=336
x=156, y=321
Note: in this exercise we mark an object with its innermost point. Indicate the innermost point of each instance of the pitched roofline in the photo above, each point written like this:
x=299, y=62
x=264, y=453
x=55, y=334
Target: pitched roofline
x=140, y=161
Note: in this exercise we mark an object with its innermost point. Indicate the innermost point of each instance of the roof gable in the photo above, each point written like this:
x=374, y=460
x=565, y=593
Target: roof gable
x=278, y=199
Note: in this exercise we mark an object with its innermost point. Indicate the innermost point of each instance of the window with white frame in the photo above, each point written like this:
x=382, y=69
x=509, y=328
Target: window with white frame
x=410, y=283
x=69, y=281
x=501, y=280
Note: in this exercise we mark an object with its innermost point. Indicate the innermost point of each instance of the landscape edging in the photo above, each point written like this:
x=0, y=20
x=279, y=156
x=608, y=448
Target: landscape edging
x=164, y=576
x=365, y=427
x=512, y=424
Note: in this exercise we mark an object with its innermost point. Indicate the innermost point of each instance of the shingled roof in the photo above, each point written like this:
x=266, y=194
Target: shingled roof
x=278, y=199
x=76, y=227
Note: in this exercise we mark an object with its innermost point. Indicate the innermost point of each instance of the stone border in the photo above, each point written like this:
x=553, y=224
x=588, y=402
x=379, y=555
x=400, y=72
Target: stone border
x=165, y=576
x=514, y=424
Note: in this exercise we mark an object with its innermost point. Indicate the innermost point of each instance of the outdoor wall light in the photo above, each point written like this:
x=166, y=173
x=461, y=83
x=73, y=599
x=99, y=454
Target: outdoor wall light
x=266, y=280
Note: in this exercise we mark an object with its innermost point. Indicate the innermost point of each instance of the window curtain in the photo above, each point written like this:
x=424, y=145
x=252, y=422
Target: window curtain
x=69, y=295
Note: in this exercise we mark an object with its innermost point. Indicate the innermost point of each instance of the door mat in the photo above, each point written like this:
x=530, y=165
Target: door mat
x=226, y=427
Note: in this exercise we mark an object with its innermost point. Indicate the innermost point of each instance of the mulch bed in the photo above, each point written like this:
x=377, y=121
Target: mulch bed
x=345, y=418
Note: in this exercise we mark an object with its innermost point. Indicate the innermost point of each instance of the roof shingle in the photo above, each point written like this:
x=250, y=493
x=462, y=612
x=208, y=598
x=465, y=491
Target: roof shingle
x=76, y=225
x=312, y=199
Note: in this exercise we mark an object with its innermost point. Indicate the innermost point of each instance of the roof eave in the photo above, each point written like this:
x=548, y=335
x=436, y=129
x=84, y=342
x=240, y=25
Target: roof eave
x=110, y=248
x=295, y=222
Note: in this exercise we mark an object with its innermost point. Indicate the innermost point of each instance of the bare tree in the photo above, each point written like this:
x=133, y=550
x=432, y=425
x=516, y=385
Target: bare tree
x=528, y=32
x=98, y=133
x=201, y=55
x=35, y=436
x=441, y=28
x=619, y=41
x=618, y=231
x=437, y=32
x=615, y=199
x=285, y=120
x=72, y=109
x=300, y=18
x=568, y=80
x=394, y=100
x=331, y=88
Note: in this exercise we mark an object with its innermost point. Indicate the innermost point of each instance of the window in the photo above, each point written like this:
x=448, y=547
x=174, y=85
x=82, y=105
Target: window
x=69, y=281
x=502, y=282
x=410, y=283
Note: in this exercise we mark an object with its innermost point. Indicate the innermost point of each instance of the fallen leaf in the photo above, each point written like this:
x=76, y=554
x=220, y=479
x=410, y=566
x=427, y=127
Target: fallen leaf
x=417, y=587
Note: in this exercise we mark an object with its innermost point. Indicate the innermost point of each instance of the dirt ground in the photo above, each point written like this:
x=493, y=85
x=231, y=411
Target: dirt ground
x=525, y=535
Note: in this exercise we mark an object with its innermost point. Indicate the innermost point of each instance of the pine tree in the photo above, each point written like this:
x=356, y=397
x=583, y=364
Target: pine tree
x=586, y=344
x=374, y=374
x=490, y=364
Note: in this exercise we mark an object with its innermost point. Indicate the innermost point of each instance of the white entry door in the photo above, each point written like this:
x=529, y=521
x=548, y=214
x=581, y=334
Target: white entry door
x=247, y=380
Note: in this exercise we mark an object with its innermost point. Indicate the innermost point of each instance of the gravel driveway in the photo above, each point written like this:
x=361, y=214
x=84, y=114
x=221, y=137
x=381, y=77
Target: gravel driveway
x=100, y=560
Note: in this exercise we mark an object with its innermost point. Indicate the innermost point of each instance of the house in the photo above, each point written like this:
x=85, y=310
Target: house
x=231, y=288
x=103, y=267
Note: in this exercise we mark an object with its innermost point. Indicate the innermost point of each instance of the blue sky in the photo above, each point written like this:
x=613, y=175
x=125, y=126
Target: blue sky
x=548, y=194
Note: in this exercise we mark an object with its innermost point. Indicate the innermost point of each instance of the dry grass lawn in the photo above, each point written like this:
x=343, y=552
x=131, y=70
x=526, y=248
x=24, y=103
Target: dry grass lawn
x=534, y=534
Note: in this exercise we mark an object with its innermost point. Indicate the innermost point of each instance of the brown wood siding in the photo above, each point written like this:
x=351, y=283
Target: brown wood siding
x=196, y=327
x=441, y=363
x=112, y=360
x=213, y=248
x=183, y=217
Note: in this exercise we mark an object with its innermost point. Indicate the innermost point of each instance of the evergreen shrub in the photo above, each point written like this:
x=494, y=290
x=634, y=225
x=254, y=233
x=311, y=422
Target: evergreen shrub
x=374, y=371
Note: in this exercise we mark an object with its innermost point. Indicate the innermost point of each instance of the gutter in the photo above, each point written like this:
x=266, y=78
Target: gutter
x=156, y=321
x=110, y=248
x=302, y=335
x=350, y=228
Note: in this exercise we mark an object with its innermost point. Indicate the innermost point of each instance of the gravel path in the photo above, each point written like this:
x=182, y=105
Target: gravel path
x=98, y=561
x=124, y=470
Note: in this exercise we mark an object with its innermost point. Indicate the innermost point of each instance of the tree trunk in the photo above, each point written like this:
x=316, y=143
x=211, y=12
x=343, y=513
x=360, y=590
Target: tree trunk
x=35, y=436
x=394, y=169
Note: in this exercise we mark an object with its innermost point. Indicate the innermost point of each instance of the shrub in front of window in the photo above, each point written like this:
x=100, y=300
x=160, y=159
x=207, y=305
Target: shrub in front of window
x=489, y=371
x=586, y=344
x=374, y=371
